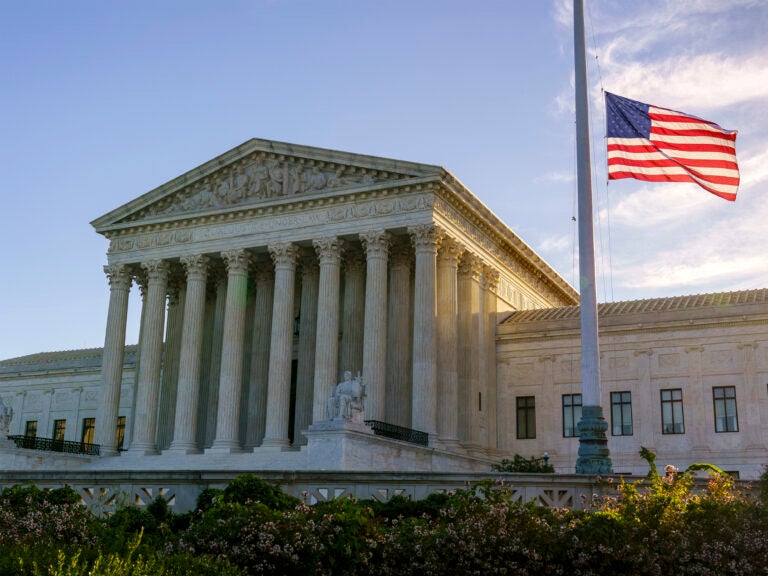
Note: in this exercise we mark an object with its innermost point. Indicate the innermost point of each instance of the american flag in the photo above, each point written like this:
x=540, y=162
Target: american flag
x=661, y=145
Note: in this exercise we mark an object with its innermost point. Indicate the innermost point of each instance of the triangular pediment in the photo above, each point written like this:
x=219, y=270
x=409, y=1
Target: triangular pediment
x=262, y=171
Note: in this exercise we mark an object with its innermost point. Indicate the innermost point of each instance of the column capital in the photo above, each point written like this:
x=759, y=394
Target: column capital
x=196, y=266
x=376, y=243
x=119, y=276
x=400, y=253
x=308, y=261
x=284, y=254
x=490, y=278
x=157, y=270
x=329, y=249
x=237, y=261
x=353, y=260
x=471, y=265
x=425, y=237
x=450, y=251
x=263, y=271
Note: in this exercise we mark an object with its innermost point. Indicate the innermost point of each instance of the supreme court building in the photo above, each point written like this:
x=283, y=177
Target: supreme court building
x=274, y=272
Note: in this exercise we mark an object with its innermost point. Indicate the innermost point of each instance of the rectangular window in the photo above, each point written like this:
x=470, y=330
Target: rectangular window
x=621, y=413
x=31, y=429
x=59, y=429
x=571, y=414
x=120, y=432
x=672, y=411
x=526, y=417
x=89, y=425
x=726, y=417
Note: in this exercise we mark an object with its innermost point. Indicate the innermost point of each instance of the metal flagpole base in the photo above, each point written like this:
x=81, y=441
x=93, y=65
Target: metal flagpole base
x=594, y=457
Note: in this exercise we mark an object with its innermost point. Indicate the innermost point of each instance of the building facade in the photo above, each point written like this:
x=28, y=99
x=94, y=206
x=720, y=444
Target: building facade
x=271, y=271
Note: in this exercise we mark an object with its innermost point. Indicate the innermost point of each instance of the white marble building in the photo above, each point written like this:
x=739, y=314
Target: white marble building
x=269, y=271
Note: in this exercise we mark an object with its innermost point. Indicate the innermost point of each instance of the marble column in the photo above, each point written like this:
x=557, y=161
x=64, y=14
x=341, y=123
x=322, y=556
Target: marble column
x=398, y=388
x=426, y=239
x=119, y=277
x=209, y=321
x=447, y=342
x=231, y=375
x=140, y=278
x=171, y=352
x=354, y=313
x=279, y=382
x=327, y=333
x=217, y=342
x=376, y=244
x=262, y=330
x=490, y=406
x=469, y=271
x=186, y=417
x=305, y=368
x=145, y=425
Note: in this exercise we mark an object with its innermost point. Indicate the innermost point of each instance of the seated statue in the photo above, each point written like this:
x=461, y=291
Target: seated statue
x=346, y=402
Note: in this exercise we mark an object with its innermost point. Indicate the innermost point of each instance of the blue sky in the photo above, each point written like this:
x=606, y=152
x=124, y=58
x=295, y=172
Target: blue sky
x=105, y=100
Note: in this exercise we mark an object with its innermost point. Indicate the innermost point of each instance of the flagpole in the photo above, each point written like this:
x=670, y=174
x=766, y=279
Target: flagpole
x=594, y=456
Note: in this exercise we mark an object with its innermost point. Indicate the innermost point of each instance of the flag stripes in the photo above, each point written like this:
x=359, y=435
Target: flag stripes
x=660, y=145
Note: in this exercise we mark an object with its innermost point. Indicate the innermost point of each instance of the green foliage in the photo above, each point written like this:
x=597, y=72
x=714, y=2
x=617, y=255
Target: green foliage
x=520, y=464
x=250, y=489
x=763, y=486
x=207, y=498
x=664, y=524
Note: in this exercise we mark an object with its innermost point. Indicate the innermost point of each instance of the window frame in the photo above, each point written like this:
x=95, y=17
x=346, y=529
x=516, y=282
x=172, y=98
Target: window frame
x=525, y=406
x=673, y=403
x=726, y=401
x=571, y=409
x=621, y=404
x=88, y=431
x=59, y=430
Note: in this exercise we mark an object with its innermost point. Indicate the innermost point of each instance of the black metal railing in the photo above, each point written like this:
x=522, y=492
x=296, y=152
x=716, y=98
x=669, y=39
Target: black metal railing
x=51, y=445
x=398, y=432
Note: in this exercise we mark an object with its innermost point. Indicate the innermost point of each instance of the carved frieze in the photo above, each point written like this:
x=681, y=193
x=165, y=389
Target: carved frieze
x=261, y=177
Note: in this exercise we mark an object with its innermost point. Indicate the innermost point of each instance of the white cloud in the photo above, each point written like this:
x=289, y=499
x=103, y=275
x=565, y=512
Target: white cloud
x=556, y=177
x=701, y=82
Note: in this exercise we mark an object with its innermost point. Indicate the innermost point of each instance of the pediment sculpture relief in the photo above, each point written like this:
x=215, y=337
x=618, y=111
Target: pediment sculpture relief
x=262, y=178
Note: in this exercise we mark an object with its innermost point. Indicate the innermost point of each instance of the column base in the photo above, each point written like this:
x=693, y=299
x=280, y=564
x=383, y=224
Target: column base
x=594, y=457
x=182, y=449
x=225, y=447
x=281, y=443
x=143, y=449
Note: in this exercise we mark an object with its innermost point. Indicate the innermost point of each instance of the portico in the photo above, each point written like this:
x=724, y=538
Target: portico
x=271, y=270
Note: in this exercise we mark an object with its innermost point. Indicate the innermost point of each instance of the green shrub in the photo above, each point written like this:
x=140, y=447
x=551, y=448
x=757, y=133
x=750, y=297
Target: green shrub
x=519, y=464
x=248, y=489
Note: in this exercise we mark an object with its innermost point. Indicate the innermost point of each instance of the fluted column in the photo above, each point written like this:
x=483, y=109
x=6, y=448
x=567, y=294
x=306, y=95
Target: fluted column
x=354, y=313
x=398, y=390
x=140, y=278
x=305, y=368
x=145, y=426
x=171, y=351
x=327, y=334
x=185, y=421
x=231, y=378
x=376, y=244
x=262, y=330
x=470, y=269
x=119, y=277
x=447, y=342
x=490, y=406
x=217, y=343
x=426, y=239
x=279, y=382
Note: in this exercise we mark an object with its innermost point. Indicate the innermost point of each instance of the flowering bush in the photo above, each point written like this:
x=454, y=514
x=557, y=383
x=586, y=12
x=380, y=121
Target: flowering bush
x=665, y=524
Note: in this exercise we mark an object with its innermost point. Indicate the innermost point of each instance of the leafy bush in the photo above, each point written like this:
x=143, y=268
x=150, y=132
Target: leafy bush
x=519, y=464
x=249, y=488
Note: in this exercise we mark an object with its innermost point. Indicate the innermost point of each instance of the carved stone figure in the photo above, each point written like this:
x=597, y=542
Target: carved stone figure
x=347, y=400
